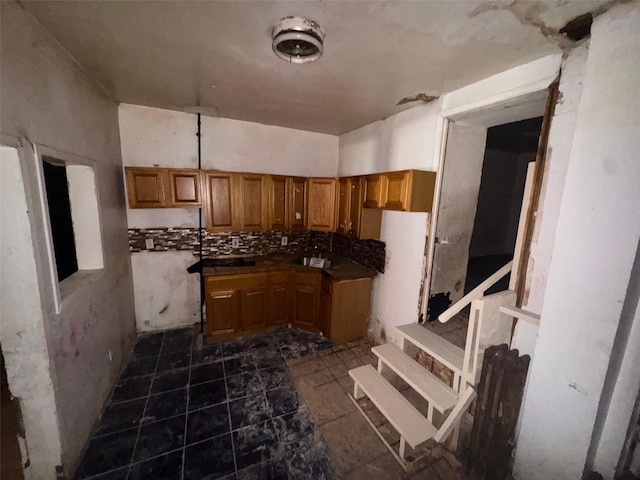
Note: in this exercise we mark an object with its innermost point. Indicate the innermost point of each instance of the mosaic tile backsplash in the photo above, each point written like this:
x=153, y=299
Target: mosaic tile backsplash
x=367, y=252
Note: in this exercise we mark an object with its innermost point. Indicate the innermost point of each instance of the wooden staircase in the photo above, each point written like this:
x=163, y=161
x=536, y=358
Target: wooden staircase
x=490, y=322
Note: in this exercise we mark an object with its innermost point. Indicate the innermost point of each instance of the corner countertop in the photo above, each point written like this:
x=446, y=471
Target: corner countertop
x=341, y=267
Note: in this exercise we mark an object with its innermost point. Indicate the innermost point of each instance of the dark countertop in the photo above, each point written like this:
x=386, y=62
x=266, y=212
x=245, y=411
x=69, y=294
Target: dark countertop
x=341, y=267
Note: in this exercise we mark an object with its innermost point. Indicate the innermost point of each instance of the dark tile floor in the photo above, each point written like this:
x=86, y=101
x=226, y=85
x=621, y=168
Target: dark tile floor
x=229, y=410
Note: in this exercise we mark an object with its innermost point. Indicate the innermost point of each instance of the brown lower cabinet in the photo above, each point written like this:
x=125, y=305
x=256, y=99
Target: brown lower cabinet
x=305, y=299
x=254, y=302
x=344, y=309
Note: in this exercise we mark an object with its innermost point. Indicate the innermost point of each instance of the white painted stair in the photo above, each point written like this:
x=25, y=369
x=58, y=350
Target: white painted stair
x=414, y=427
x=430, y=387
x=442, y=350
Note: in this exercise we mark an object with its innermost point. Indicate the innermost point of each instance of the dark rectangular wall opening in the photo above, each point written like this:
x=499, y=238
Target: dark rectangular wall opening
x=64, y=245
x=509, y=150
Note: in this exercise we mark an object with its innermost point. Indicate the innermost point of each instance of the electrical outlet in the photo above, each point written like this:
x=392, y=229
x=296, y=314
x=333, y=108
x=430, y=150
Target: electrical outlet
x=149, y=243
x=235, y=242
x=284, y=241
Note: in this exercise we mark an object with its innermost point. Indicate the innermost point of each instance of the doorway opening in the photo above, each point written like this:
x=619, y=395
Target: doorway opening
x=11, y=468
x=509, y=150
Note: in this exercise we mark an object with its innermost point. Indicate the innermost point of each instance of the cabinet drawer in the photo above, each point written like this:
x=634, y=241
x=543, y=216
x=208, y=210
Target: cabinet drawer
x=311, y=279
x=238, y=282
x=279, y=277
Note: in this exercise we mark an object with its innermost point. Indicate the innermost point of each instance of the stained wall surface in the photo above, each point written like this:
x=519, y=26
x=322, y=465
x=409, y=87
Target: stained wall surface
x=589, y=287
x=48, y=100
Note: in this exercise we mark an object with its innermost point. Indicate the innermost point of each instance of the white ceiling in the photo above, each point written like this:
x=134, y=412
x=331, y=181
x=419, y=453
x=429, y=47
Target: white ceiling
x=169, y=54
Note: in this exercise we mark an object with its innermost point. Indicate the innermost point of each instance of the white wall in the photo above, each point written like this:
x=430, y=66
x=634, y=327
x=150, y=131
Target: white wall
x=596, y=241
x=403, y=141
x=166, y=296
x=47, y=99
x=22, y=332
x=400, y=142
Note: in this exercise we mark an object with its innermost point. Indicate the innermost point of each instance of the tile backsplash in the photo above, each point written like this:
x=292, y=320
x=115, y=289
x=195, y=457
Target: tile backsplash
x=366, y=252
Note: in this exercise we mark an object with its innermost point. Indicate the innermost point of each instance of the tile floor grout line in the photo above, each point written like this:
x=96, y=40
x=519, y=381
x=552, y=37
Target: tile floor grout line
x=186, y=412
x=233, y=449
x=144, y=410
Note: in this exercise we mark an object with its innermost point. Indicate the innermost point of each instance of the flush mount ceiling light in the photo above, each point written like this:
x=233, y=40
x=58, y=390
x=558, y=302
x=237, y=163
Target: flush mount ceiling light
x=297, y=40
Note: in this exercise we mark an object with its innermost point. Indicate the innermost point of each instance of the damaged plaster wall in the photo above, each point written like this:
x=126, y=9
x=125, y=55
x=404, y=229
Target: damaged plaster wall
x=166, y=296
x=49, y=100
x=403, y=141
x=557, y=161
x=596, y=241
x=22, y=331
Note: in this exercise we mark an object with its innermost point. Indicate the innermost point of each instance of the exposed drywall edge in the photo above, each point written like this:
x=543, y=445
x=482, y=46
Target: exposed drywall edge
x=583, y=301
x=516, y=82
x=22, y=329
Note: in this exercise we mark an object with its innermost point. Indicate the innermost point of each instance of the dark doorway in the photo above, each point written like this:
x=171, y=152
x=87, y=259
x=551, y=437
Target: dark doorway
x=509, y=149
x=64, y=245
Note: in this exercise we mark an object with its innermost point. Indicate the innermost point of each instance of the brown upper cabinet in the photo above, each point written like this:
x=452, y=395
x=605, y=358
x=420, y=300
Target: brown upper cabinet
x=298, y=203
x=252, y=201
x=163, y=187
x=219, y=205
x=279, y=200
x=408, y=191
x=146, y=187
x=185, y=188
x=344, y=198
x=354, y=220
x=373, y=191
x=287, y=205
x=321, y=208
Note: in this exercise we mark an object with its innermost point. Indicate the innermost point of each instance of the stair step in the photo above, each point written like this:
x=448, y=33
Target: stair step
x=436, y=346
x=442, y=396
x=410, y=424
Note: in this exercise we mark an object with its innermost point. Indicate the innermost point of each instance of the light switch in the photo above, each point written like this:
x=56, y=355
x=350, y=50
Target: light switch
x=235, y=242
x=284, y=241
x=149, y=243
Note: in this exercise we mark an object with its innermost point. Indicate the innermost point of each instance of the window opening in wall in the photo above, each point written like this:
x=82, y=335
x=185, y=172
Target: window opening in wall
x=64, y=245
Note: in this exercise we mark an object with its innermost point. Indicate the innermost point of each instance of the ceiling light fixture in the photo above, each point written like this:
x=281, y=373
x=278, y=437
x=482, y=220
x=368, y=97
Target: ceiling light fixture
x=298, y=40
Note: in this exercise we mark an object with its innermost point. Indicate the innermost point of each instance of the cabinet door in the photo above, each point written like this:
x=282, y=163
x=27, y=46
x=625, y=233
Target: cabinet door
x=305, y=292
x=305, y=307
x=280, y=299
x=252, y=202
x=146, y=187
x=219, y=208
x=255, y=307
x=395, y=194
x=344, y=198
x=298, y=203
x=279, y=201
x=184, y=188
x=373, y=191
x=355, y=206
x=322, y=204
x=223, y=310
